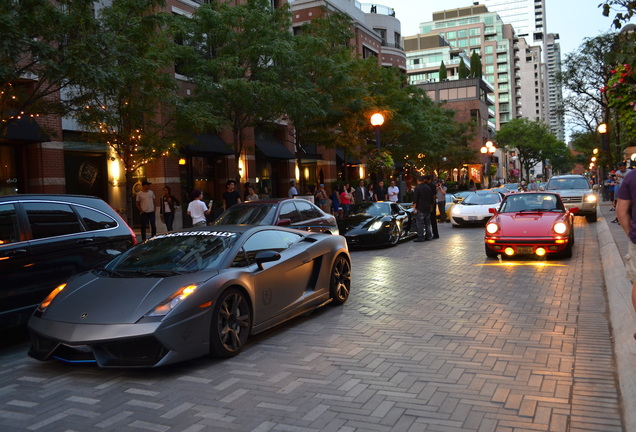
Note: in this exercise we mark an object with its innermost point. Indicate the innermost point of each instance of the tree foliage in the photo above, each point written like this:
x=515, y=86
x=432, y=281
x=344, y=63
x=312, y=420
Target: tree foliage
x=443, y=73
x=475, y=65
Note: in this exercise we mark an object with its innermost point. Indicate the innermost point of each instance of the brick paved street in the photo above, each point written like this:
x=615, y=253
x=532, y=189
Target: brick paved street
x=435, y=337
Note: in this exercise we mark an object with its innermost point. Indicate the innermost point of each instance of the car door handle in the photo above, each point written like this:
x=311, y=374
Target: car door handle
x=85, y=241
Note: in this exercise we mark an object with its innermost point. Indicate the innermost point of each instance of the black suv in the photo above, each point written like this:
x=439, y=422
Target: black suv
x=45, y=239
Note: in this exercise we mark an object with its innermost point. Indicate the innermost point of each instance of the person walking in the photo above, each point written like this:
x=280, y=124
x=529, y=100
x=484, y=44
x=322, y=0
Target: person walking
x=145, y=203
x=625, y=208
x=621, y=173
x=197, y=209
x=422, y=204
x=440, y=197
x=167, y=207
x=231, y=195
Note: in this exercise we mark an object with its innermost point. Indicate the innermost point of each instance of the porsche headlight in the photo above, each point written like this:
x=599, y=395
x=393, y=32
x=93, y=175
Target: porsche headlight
x=492, y=228
x=171, y=302
x=590, y=198
x=49, y=298
x=375, y=226
x=560, y=228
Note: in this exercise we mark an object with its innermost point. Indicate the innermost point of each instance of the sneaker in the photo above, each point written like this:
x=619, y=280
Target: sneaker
x=615, y=221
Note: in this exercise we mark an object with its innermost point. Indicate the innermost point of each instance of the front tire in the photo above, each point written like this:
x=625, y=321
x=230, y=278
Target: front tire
x=231, y=324
x=394, y=237
x=340, y=280
x=490, y=253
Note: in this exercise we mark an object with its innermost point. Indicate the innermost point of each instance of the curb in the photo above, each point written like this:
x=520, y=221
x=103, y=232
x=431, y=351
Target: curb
x=622, y=319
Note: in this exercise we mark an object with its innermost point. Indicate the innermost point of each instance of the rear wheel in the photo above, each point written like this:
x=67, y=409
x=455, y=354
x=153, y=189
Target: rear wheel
x=340, y=280
x=231, y=324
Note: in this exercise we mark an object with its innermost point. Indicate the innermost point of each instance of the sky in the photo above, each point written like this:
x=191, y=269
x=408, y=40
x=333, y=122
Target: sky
x=573, y=20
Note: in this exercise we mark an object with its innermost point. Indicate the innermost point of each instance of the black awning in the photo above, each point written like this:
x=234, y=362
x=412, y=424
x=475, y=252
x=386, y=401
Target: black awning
x=272, y=148
x=24, y=129
x=209, y=143
x=340, y=156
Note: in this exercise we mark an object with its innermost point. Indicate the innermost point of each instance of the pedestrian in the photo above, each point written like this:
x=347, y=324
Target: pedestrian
x=433, y=186
x=534, y=186
x=346, y=196
x=625, y=208
x=251, y=194
x=440, y=196
x=611, y=188
x=145, y=203
x=292, y=192
x=335, y=200
x=361, y=193
x=321, y=197
x=371, y=191
x=231, y=195
x=197, y=209
x=422, y=205
x=381, y=194
x=393, y=192
x=621, y=172
x=167, y=208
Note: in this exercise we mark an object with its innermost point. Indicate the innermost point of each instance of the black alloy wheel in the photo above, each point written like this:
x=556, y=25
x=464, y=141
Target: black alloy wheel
x=231, y=324
x=340, y=282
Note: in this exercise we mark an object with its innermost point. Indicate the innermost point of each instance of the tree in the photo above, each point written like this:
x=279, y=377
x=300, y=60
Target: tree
x=236, y=57
x=627, y=9
x=45, y=48
x=443, y=74
x=475, y=65
x=531, y=139
x=463, y=70
x=132, y=106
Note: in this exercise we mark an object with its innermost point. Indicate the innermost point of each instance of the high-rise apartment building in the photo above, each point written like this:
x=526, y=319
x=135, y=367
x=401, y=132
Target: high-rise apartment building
x=555, y=92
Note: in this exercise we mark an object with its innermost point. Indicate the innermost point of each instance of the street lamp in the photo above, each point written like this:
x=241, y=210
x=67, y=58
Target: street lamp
x=377, y=120
x=487, y=150
x=602, y=129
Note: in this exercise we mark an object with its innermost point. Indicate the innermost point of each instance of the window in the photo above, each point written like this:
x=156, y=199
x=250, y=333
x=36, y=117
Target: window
x=9, y=229
x=451, y=35
x=51, y=219
x=263, y=241
x=475, y=31
x=475, y=41
x=95, y=220
x=307, y=211
x=288, y=211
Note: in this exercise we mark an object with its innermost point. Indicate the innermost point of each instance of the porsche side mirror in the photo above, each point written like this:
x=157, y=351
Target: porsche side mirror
x=266, y=256
x=574, y=210
x=283, y=222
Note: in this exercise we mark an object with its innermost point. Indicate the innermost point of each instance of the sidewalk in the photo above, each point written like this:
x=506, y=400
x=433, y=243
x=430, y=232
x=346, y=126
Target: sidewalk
x=613, y=247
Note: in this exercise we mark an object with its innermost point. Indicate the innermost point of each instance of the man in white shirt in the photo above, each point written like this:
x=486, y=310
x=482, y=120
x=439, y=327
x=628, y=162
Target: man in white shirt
x=394, y=192
x=292, y=189
x=146, y=205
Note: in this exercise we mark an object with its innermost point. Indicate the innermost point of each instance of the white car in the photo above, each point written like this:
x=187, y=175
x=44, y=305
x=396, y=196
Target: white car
x=475, y=209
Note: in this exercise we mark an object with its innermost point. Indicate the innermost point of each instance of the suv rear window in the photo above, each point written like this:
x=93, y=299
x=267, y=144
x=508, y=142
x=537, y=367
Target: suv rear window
x=51, y=219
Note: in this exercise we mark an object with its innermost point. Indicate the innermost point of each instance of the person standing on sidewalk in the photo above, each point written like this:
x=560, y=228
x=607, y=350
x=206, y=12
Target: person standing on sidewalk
x=625, y=208
x=621, y=173
x=423, y=200
x=197, y=209
x=145, y=203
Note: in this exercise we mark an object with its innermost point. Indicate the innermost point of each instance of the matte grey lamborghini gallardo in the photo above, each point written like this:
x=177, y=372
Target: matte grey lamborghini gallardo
x=185, y=294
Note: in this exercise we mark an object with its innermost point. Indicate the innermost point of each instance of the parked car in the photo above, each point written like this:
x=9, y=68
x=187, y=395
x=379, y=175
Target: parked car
x=376, y=223
x=189, y=293
x=294, y=213
x=45, y=239
x=531, y=223
x=474, y=209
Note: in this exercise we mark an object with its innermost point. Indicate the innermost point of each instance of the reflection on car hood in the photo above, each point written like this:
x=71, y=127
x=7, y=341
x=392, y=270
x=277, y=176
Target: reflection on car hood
x=532, y=224
x=92, y=299
x=356, y=222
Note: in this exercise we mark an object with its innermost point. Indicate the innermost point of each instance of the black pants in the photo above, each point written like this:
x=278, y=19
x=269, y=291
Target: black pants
x=168, y=219
x=145, y=219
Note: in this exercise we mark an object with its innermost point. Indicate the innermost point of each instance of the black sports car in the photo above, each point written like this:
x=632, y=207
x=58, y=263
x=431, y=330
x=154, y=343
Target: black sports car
x=185, y=294
x=376, y=223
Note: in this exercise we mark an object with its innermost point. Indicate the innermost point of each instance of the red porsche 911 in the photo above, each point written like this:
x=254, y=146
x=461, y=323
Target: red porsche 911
x=531, y=223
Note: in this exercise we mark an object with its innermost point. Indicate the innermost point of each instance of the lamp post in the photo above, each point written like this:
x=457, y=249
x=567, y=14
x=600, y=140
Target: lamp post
x=377, y=120
x=488, y=150
x=603, y=129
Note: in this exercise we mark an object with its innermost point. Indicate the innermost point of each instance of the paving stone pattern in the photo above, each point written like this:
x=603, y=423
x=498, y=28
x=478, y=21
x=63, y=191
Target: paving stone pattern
x=435, y=337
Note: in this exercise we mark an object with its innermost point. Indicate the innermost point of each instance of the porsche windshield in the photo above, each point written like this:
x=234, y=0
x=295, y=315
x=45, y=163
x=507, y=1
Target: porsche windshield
x=174, y=253
x=248, y=214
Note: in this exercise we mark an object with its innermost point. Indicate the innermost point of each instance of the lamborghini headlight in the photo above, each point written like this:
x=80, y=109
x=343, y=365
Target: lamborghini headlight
x=171, y=302
x=560, y=228
x=49, y=298
x=376, y=226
